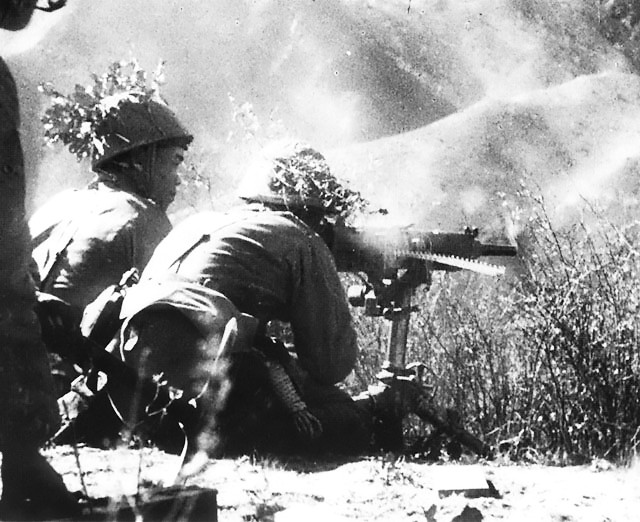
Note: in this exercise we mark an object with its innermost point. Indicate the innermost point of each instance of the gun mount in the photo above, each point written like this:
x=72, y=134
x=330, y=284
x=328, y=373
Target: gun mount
x=396, y=262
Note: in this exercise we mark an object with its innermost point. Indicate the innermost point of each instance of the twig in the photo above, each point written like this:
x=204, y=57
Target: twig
x=76, y=455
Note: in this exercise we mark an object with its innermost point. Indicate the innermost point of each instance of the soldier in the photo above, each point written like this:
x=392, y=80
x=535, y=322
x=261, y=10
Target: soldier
x=84, y=240
x=31, y=489
x=271, y=259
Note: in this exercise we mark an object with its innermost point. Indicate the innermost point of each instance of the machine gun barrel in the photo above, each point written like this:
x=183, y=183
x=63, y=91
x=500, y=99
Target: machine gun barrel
x=376, y=251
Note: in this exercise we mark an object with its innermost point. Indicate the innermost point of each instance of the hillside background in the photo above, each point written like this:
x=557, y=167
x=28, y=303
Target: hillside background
x=436, y=110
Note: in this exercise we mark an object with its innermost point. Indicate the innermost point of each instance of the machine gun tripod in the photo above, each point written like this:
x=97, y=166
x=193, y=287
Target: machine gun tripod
x=396, y=263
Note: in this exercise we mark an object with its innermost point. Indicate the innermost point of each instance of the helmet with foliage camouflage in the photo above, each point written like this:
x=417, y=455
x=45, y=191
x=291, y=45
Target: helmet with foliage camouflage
x=136, y=123
x=297, y=177
x=117, y=113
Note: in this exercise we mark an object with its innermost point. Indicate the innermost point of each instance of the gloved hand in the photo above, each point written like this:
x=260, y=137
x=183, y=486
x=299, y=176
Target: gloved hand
x=304, y=421
x=307, y=424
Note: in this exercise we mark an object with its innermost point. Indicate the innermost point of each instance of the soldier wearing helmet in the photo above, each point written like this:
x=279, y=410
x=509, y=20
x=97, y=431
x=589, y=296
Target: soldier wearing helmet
x=84, y=240
x=31, y=489
x=269, y=260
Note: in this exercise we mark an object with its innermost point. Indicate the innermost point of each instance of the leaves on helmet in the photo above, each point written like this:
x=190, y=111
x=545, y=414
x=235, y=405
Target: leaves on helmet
x=74, y=119
x=306, y=174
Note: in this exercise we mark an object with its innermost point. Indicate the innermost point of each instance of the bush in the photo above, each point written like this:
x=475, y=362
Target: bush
x=549, y=358
x=580, y=299
x=619, y=22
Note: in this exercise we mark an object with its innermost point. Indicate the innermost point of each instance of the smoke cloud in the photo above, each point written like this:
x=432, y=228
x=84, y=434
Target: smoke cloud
x=429, y=108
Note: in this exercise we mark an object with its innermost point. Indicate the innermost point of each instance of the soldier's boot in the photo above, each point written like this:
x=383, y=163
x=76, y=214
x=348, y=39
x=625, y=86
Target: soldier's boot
x=32, y=489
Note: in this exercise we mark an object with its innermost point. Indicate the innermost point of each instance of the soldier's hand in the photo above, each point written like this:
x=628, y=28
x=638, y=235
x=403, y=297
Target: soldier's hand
x=56, y=312
x=307, y=424
x=59, y=323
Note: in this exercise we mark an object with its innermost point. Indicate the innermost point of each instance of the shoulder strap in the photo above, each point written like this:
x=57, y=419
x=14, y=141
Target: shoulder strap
x=188, y=248
x=65, y=234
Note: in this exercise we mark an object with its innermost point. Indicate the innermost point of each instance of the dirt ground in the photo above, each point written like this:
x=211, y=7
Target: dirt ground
x=370, y=489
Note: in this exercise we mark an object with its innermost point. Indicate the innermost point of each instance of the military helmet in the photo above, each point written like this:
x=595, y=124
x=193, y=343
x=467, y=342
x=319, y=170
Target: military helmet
x=133, y=123
x=297, y=176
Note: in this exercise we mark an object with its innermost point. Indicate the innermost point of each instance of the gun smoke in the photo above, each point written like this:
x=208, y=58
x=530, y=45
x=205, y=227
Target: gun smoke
x=429, y=112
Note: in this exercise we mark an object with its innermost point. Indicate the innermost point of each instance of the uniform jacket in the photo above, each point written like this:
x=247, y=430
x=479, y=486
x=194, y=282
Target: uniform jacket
x=272, y=266
x=84, y=240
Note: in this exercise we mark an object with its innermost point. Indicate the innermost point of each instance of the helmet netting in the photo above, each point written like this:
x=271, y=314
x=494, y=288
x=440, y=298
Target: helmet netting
x=304, y=175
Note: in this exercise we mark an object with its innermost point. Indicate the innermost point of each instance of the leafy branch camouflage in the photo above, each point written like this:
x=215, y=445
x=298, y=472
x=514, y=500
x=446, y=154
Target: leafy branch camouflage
x=74, y=119
x=306, y=175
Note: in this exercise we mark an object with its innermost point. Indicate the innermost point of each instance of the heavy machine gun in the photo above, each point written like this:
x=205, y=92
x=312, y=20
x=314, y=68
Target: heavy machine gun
x=396, y=261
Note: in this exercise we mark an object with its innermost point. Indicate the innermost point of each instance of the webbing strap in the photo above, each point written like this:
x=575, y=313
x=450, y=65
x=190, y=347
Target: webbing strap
x=203, y=238
x=65, y=238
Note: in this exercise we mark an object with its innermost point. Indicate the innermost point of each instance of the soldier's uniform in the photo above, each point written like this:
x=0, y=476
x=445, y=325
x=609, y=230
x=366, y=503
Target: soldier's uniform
x=28, y=408
x=274, y=267
x=270, y=265
x=84, y=240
